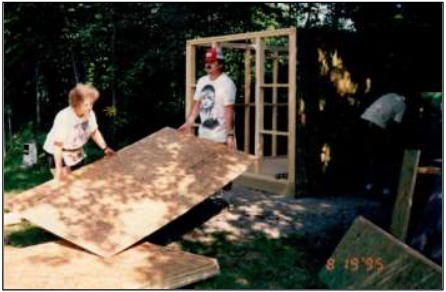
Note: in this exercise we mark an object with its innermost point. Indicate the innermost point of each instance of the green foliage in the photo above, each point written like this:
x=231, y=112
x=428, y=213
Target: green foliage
x=434, y=98
x=132, y=52
x=16, y=178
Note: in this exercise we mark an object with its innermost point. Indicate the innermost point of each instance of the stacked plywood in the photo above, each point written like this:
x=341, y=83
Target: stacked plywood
x=59, y=265
x=112, y=204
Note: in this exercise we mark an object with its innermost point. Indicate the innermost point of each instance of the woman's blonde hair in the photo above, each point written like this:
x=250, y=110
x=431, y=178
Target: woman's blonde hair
x=81, y=92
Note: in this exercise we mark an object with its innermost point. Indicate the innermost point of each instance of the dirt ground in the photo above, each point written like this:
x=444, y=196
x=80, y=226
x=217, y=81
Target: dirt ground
x=252, y=212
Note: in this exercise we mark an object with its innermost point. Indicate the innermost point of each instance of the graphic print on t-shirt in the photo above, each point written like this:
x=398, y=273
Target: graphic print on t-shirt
x=207, y=107
x=80, y=133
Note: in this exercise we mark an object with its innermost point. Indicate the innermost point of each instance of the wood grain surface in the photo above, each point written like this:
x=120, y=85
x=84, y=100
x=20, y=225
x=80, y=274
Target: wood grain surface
x=61, y=265
x=113, y=203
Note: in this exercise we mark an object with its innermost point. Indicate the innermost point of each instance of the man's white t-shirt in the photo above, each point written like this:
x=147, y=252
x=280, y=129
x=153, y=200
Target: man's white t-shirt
x=70, y=130
x=388, y=107
x=214, y=96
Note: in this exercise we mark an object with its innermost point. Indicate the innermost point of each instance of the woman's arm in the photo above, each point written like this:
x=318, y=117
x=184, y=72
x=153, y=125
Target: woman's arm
x=59, y=171
x=100, y=141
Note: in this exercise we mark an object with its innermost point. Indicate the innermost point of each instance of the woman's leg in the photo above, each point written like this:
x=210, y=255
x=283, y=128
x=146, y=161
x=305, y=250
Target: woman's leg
x=51, y=163
x=77, y=165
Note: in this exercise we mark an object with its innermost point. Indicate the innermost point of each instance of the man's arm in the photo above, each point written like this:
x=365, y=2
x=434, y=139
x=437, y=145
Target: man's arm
x=229, y=124
x=195, y=110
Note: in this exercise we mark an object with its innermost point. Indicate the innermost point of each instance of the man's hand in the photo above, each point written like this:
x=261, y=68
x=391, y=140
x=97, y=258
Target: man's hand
x=109, y=152
x=185, y=128
x=231, y=143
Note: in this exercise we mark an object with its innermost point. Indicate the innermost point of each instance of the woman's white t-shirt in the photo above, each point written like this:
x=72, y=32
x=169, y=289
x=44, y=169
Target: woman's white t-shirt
x=70, y=130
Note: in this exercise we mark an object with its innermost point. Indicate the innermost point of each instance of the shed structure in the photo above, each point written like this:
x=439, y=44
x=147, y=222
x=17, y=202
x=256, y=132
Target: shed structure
x=267, y=103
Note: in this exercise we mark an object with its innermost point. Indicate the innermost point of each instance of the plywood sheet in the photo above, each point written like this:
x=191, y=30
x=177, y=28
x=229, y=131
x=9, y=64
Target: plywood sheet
x=111, y=204
x=370, y=258
x=60, y=265
x=11, y=219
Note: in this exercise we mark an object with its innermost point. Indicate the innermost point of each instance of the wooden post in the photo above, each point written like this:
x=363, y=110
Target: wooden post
x=274, y=109
x=406, y=187
x=260, y=59
x=292, y=64
x=247, y=99
x=190, y=76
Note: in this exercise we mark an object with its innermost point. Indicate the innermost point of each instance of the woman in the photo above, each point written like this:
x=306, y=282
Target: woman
x=72, y=128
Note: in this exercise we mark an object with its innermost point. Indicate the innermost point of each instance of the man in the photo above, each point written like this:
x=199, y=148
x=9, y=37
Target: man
x=388, y=108
x=381, y=118
x=214, y=100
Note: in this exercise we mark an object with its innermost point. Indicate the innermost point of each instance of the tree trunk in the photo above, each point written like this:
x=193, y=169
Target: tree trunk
x=8, y=113
x=73, y=59
x=10, y=122
x=73, y=63
x=113, y=57
x=113, y=81
x=37, y=96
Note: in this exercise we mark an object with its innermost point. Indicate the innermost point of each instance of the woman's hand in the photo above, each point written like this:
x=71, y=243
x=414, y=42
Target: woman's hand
x=61, y=173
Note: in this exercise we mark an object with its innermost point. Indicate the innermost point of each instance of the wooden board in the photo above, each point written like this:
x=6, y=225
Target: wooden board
x=264, y=183
x=111, y=204
x=60, y=265
x=403, y=204
x=242, y=36
x=430, y=170
x=370, y=258
x=12, y=219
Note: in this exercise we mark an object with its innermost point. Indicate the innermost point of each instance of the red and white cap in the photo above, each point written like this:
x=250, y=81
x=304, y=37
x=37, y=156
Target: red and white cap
x=213, y=54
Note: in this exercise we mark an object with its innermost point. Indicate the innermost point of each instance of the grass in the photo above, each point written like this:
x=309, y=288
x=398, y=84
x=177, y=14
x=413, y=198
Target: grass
x=18, y=179
x=259, y=263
